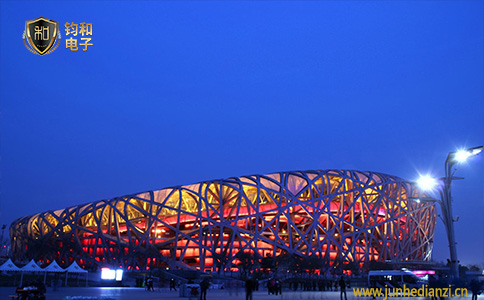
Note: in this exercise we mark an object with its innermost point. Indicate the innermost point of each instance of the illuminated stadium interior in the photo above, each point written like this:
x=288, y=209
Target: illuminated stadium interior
x=337, y=215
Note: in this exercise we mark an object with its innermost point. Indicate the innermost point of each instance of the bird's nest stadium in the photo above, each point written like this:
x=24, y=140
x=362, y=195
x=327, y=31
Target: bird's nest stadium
x=339, y=216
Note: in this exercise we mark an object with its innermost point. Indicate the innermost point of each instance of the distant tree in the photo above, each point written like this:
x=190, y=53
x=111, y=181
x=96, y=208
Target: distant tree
x=312, y=263
x=296, y=263
x=282, y=261
x=378, y=265
x=352, y=266
x=474, y=268
x=219, y=260
x=267, y=262
x=302, y=264
x=247, y=261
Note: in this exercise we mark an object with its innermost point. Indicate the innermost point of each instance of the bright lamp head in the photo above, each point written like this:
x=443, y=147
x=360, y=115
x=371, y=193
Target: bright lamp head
x=427, y=183
x=462, y=155
x=476, y=150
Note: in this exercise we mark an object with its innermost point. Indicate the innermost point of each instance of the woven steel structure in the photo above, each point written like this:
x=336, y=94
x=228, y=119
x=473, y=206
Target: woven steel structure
x=337, y=215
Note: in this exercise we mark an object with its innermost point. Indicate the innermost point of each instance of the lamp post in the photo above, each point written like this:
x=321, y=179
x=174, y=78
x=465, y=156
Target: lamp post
x=3, y=243
x=447, y=216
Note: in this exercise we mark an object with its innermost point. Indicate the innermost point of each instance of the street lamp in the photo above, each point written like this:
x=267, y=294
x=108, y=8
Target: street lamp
x=427, y=183
x=3, y=243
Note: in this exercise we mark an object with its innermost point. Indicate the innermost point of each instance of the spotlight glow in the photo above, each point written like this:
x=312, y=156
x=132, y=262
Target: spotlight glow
x=462, y=155
x=108, y=274
x=427, y=183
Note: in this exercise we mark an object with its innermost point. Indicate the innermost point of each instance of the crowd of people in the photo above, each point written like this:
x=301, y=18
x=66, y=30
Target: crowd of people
x=342, y=284
x=274, y=286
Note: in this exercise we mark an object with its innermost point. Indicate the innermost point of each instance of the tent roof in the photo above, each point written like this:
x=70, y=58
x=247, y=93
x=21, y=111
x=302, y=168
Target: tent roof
x=9, y=266
x=53, y=267
x=74, y=268
x=31, y=267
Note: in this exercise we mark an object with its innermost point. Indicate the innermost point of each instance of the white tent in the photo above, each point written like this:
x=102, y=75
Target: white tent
x=74, y=268
x=31, y=267
x=9, y=266
x=54, y=267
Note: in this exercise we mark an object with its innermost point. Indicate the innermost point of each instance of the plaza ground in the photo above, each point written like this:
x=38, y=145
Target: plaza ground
x=164, y=293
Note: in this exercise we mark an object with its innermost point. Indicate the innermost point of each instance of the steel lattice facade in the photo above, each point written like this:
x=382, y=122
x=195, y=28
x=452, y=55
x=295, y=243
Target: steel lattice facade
x=337, y=215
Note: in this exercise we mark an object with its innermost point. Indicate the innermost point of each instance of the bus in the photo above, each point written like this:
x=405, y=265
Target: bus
x=394, y=279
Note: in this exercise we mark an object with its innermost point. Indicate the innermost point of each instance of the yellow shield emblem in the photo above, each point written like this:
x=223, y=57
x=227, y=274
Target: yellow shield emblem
x=41, y=34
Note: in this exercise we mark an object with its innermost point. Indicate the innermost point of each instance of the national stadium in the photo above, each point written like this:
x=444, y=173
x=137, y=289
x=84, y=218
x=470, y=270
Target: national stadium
x=339, y=216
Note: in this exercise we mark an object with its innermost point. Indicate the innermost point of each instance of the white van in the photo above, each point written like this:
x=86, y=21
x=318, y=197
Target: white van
x=394, y=279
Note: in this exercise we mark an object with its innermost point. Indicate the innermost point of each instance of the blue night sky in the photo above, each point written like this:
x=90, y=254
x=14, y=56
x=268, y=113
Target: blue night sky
x=179, y=92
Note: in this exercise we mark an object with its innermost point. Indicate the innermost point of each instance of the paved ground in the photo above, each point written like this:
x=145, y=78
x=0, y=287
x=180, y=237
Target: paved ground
x=139, y=293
